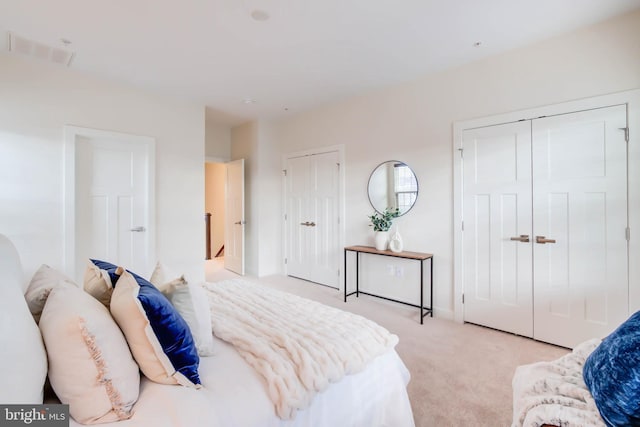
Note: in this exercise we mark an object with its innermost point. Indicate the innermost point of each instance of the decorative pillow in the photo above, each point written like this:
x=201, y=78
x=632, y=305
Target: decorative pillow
x=97, y=280
x=158, y=336
x=90, y=366
x=191, y=302
x=43, y=281
x=612, y=373
x=23, y=361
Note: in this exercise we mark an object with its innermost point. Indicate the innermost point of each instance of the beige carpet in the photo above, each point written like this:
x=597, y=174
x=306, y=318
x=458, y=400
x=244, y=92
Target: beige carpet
x=460, y=374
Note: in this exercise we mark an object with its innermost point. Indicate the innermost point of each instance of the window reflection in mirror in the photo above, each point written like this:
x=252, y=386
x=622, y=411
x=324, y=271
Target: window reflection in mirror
x=393, y=185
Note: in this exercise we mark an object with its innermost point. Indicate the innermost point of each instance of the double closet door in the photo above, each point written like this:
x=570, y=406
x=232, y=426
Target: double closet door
x=545, y=225
x=312, y=217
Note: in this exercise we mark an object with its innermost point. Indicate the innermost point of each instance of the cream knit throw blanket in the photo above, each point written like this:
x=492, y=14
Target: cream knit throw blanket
x=554, y=392
x=299, y=346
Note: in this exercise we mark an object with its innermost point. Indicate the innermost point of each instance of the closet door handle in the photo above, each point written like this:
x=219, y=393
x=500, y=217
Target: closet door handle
x=542, y=240
x=311, y=224
x=138, y=229
x=523, y=238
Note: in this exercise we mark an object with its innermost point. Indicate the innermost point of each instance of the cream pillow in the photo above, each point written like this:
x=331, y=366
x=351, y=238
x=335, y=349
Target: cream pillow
x=192, y=303
x=98, y=283
x=42, y=282
x=90, y=365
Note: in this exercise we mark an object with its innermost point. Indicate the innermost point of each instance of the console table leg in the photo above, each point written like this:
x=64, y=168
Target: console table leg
x=357, y=274
x=421, y=291
x=431, y=285
x=345, y=275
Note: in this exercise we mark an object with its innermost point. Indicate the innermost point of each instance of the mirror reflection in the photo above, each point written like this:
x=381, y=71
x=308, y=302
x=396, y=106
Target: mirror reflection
x=393, y=184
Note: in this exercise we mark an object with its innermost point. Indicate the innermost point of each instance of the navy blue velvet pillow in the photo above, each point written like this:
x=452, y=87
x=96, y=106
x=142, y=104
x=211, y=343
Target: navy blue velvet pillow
x=179, y=360
x=612, y=373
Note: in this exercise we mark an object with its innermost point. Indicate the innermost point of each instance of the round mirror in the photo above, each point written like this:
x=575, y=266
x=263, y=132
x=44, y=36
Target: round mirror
x=393, y=185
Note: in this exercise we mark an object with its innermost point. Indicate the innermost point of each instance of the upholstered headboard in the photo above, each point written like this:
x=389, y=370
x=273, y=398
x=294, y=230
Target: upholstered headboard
x=23, y=360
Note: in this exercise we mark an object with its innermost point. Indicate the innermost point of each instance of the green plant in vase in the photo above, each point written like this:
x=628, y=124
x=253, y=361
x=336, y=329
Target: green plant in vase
x=381, y=223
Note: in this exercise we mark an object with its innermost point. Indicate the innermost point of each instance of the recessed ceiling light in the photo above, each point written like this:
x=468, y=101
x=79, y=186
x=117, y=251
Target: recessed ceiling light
x=249, y=101
x=259, y=15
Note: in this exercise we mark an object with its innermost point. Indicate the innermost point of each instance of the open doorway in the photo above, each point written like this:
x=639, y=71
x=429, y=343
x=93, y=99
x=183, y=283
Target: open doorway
x=214, y=202
x=224, y=217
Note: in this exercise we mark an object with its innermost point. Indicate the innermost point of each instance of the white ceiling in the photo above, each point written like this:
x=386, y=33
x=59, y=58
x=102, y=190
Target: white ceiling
x=308, y=53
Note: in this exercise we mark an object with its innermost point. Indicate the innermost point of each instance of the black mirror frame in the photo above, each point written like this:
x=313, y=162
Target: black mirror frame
x=398, y=162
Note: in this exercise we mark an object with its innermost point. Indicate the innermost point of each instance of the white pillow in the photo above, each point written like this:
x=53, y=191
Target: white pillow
x=192, y=303
x=23, y=361
x=90, y=365
x=43, y=281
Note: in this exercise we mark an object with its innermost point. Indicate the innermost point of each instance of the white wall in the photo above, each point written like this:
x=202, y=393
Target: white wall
x=217, y=141
x=413, y=123
x=37, y=100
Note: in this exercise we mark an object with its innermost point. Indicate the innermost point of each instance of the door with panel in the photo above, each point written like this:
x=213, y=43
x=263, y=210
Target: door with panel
x=497, y=227
x=579, y=225
x=557, y=187
x=312, y=210
x=234, y=217
x=112, y=201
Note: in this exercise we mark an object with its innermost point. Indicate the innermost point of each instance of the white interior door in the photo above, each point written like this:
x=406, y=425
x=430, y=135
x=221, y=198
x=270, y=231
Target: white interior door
x=234, y=217
x=112, y=202
x=497, y=209
x=298, y=212
x=312, y=226
x=580, y=203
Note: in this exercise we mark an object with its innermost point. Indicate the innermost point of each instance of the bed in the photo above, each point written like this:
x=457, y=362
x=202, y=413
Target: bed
x=231, y=393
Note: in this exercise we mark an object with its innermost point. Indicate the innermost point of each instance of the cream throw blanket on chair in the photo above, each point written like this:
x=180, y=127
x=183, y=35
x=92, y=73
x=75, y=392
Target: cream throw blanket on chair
x=299, y=346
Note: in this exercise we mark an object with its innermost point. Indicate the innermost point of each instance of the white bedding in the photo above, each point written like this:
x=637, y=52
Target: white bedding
x=297, y=345
x=234, y=395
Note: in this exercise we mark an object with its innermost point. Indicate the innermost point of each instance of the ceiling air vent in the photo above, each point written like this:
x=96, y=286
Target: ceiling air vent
x=41, y=51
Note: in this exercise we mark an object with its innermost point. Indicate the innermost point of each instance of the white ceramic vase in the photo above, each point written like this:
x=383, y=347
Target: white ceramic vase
x=395, y=244
x=382, y=237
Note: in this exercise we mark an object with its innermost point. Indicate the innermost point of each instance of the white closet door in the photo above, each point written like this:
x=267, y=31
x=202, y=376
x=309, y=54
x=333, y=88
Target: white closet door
x=312, y=206
x=580, y=202
x=324, y=249
x=497, y=208
x=297, y=209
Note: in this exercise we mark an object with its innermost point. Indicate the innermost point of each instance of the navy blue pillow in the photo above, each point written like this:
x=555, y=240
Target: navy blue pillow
x=612, y=373
x=170, y=329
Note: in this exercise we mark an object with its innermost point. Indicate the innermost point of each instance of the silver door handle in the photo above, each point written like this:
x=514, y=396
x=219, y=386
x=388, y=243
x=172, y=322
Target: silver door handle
x=542, y=240
x=138, y=229
x=239, y=223
x=308, y=224
x=523, y=238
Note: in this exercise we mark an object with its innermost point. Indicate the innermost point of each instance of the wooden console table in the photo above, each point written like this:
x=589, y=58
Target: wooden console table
x=418, y=256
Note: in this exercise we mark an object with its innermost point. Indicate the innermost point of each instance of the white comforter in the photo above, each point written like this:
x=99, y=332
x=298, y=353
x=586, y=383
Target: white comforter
x=298, y=346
